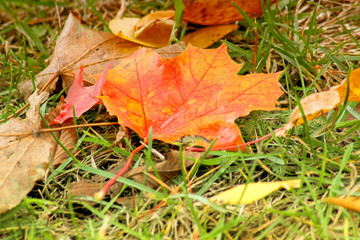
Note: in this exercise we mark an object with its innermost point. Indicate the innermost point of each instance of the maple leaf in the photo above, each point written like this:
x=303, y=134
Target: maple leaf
x=80, y=97
x=196, y=93
x=216, y=12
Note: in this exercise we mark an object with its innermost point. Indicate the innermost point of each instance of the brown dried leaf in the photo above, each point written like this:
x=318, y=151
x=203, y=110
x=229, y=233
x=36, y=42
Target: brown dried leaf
x=24, y=155
x=68, y=138
x=84, y=188
x=78, y=46
x=90, y=187
x=171, y=51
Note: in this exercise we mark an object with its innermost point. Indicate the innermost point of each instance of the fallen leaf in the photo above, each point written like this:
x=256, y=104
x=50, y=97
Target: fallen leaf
x=354, y=87
x=84, y=188
x=170, y=51
x=24, y=155
x=79, y=46
x=248, y=193
x=154, y=21
x=80, y=98
x=350, y=203
x=317, y=104
x=196, y=93
x=90, y=187
x=68, y=138
x=83, y=98
x=207, y=36
x=218, y=12
x=152, y=30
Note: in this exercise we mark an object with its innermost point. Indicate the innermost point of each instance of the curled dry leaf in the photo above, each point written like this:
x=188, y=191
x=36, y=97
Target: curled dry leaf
x=215, y=12
x=152, y=30
x=317, y=104
x=350, y=203
x=196, y=93
x=248, y=193
x=24, y=155
x=156, y=21
x=79, y=46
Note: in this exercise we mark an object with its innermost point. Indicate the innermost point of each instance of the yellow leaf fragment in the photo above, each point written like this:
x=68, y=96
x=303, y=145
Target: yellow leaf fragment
x=248, y=193
x=207, y=36
x=350, y=203
x=152, y=30
x=354, y=87
x=317, y=104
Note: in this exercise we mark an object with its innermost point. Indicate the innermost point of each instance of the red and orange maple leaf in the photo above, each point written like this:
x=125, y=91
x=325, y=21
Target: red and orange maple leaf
x=196, y=93
x=80, y=97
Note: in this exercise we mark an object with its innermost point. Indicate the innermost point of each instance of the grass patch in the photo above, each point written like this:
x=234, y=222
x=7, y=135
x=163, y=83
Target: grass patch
x=314, y=43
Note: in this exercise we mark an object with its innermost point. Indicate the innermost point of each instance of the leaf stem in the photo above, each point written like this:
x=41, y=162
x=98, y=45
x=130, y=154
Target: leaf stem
x=100, y=195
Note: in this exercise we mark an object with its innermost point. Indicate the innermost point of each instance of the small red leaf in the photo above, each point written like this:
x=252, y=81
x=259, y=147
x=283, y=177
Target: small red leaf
x=81, y=98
